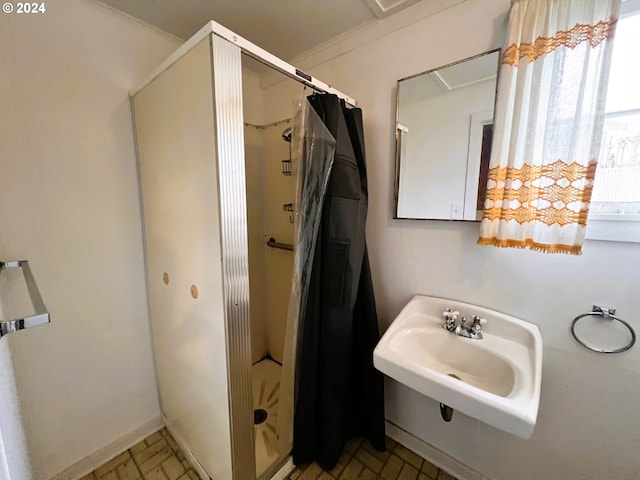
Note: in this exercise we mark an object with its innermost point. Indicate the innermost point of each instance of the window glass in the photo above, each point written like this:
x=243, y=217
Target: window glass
x=617, y=184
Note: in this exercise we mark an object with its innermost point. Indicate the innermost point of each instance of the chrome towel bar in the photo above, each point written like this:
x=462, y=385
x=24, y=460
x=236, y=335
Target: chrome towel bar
x=605, y=313
x=16, y=279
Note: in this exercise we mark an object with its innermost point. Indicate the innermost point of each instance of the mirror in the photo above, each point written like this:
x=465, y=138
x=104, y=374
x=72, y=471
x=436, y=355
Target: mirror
x=444, y=126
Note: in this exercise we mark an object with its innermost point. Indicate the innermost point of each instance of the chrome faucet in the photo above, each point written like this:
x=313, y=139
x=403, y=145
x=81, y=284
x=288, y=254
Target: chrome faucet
x=474, y=331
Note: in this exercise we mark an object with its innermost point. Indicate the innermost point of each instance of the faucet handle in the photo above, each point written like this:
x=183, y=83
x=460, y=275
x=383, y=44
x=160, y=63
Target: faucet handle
x=449, y=319
x=478, y=322
x=449, y=313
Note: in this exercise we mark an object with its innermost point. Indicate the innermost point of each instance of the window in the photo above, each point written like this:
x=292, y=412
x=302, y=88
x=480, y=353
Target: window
x=615, y=203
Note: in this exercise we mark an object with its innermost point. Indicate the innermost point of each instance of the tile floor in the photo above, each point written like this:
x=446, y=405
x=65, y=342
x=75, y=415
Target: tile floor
x=360, y=461
x=157, y=457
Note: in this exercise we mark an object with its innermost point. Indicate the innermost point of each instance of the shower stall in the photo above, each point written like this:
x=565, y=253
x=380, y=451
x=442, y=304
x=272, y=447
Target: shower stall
x=218, y=195
x=270, y=233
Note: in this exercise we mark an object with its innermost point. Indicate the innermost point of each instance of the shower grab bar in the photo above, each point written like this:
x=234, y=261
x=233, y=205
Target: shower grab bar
x=283, y=246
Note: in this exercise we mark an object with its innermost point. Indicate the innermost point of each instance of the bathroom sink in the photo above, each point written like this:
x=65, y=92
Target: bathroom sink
x=495, y=379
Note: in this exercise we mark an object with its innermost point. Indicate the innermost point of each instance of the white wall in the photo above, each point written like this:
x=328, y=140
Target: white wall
x=588, y=426
x=69, y=204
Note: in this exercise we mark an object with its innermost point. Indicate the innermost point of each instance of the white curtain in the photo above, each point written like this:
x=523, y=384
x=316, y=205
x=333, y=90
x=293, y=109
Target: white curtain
x=548, y=123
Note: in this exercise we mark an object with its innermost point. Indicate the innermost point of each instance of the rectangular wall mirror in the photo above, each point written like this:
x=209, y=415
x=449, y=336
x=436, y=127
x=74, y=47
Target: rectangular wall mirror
x=444, y=127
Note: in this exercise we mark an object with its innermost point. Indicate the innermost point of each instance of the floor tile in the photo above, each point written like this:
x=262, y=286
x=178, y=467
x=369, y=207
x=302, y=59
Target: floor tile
x=390, y=443
x=326, y=476
x=340, y=466
x=153, y=438
x=155, y=474
x=172, y=443
x=408, y=472
x=367, y=474
x=156, y=460
x=173, y=468
x=392, y=468
x=359, y=460
x=112, y=475
x=157, y=457
x=312, y=472
x=408, y=456
x=112, y=464
x=150, y=451
x=352, y=471
x=368, y=460
x=138, y=447
x=128, y=471
x=382, y=456
x=445, y=476
x=429, y=469
x=190, y=475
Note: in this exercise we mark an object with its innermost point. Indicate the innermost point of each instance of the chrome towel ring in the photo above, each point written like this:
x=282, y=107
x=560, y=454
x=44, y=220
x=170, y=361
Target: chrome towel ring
x=605, y=313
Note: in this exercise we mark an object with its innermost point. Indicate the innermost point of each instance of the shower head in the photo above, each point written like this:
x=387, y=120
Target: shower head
x=286, y=135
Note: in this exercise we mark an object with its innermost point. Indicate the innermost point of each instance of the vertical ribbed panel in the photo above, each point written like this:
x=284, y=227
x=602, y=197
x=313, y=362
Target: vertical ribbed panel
x=227, y=93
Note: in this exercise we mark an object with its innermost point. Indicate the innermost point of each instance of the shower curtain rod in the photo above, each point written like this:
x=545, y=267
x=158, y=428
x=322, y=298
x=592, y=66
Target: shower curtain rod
x=253, y=51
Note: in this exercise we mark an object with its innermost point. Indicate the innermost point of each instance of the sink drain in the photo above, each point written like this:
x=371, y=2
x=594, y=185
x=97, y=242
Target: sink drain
x=446, y=412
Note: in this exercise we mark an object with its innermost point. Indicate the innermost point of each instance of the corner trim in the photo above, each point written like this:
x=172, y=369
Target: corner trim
x=106, y=453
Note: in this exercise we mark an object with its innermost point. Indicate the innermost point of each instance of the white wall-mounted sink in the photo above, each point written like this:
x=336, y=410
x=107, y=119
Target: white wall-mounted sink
x=495, y=380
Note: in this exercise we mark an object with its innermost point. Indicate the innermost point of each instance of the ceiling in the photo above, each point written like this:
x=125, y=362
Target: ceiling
x=468, y=72
x=285, y=28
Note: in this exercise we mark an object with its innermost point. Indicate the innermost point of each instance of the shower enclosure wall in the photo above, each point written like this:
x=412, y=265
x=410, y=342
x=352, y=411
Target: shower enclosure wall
x=270, y=194
x=268, y=191
x=195, y=245
x=209, y=212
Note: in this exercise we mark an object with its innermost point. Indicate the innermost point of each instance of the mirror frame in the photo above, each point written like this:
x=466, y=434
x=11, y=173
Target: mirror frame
x=398, y=143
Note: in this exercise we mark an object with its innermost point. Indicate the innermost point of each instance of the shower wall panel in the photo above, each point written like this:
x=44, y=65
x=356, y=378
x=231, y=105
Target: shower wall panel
x=176, y=142
x=279, y=190
x=255, y=217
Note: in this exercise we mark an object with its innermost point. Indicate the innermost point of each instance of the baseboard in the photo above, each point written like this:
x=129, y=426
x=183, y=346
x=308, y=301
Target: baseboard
x=185, y=449
x=96, y=459
x=433, y=454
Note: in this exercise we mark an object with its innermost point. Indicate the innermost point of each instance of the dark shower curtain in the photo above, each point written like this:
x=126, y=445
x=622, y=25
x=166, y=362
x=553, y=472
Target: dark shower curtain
x=339, y=394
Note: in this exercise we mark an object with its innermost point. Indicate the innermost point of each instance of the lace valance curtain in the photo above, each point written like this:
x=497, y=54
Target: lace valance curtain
x=548, y=123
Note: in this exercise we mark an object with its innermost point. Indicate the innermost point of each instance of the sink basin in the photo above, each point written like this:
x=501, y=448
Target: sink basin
x=495, y=380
